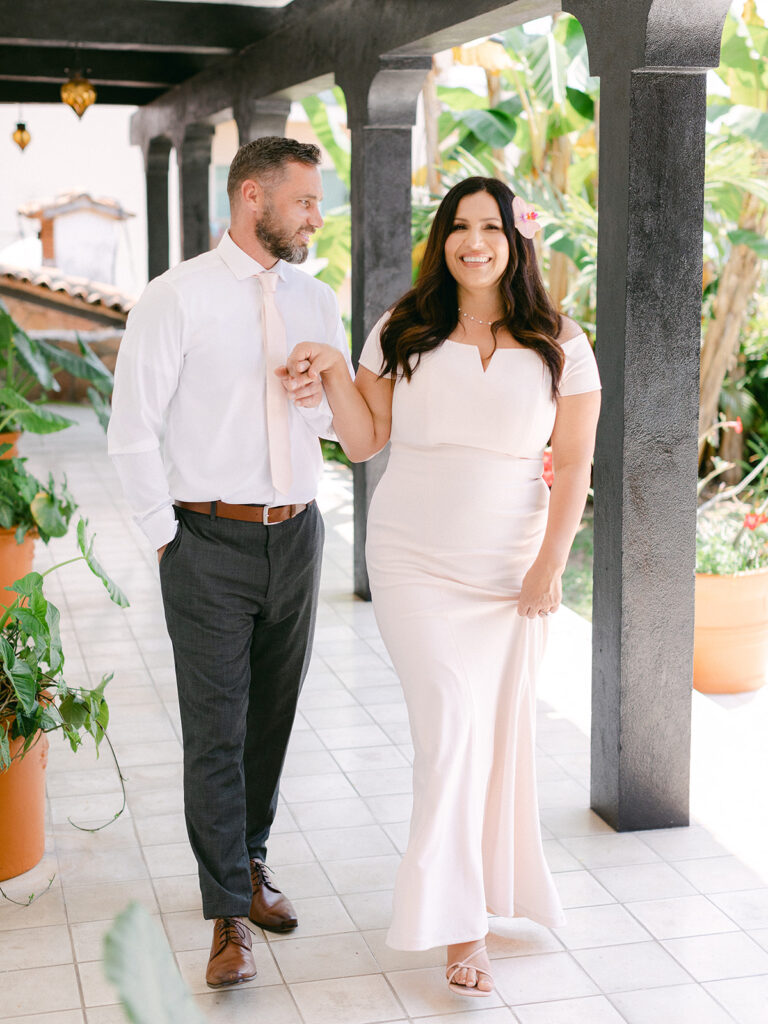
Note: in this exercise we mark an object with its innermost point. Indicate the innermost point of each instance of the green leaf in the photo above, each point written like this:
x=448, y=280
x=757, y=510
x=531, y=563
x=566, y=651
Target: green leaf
x=337, y=149
x=85, y=365
x=734, y=53
x=100, y=406
x=34, y=418
x=93, y=564
x=73, y=711
x=333, y=244
x=31, y=357
x=140, y=965
x=581, y=102
x=744, y=120
x=28, y=585
x=493, y=127
x=24, y=683
x=47, y=513
x=458, y=98
x=759, y=243
x=55, y=653
x=5, y=750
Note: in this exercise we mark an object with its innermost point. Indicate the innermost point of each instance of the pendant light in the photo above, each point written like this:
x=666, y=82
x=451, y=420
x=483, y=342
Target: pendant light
x=78, y=93
x=21, y=136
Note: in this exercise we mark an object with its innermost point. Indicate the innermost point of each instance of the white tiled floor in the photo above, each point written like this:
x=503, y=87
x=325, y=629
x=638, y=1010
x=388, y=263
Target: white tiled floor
x=664, y=927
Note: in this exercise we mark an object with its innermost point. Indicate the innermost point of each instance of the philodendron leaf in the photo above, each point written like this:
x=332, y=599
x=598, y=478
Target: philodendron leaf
x=47, y=514
x=55, y=655
x=86, y=549
x=28, y=585
x=24, y=683
x=73, y=711
x=140, y=965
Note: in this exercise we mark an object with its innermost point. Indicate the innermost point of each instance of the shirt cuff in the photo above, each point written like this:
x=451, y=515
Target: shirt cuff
x=159, y=526
x=319, y=419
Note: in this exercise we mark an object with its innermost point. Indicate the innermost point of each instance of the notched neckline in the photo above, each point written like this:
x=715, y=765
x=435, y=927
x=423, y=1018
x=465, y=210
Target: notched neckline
x=506, y=348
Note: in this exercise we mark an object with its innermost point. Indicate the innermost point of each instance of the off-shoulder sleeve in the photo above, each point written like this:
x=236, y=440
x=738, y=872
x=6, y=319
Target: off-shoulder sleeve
x=372, y=358
x=580, y=372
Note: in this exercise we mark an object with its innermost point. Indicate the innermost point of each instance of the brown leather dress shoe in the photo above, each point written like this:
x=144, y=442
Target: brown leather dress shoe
x=269, y=908
x=231, y=960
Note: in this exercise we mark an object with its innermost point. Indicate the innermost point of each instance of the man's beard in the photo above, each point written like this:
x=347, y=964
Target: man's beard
x=281, y=245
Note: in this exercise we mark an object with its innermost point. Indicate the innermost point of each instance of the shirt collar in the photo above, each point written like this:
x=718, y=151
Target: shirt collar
x=240, y=263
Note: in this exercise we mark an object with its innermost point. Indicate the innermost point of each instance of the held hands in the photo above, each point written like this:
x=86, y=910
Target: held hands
x=302, y=375
x=541, y=592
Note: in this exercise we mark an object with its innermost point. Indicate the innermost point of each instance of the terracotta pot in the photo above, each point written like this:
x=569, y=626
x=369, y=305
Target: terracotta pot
x=22, y=809
x=10, y=437
x=15, y=561
x=730, y=650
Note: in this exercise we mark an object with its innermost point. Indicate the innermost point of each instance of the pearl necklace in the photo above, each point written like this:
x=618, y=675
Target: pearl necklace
x=477, y=320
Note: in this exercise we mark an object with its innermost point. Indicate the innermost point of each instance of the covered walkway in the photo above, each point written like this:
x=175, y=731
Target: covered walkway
x=664, y=927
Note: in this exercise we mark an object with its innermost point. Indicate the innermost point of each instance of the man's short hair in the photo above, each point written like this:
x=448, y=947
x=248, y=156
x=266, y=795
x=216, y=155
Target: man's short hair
x=264, y=161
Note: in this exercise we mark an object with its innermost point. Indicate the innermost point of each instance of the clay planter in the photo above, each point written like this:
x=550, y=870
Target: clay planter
x=730, y=650
x=22, y=809
x=15, y=561
x=10, y=437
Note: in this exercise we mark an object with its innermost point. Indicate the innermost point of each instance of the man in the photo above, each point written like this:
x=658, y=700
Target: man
x=221, y=470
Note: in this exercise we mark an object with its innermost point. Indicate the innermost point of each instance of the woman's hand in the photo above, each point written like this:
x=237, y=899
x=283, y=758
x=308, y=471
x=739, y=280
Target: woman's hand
x=541, y=592
x=302, y=375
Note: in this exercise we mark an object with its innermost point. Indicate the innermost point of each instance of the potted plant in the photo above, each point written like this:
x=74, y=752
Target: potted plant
x=731, y=631
x=36, y=699
x=28, y=509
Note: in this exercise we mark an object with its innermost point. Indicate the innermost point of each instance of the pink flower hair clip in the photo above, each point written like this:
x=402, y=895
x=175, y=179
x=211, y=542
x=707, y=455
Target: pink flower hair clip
x=526, y=218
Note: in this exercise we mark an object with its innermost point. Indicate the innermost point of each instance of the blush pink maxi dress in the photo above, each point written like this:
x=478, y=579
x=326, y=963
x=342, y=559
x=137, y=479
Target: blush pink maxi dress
x=456, y=521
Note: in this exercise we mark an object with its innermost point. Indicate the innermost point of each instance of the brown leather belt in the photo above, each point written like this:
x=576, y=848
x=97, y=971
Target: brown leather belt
x=266, y=514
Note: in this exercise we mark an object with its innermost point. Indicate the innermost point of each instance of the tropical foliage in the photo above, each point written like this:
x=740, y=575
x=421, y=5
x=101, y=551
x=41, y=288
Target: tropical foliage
x=29, y=366
x=27, y=504
x=34, y=695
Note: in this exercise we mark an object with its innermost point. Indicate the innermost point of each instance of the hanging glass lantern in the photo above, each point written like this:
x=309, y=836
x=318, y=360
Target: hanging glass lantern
x=78, y=93
x=21, y=136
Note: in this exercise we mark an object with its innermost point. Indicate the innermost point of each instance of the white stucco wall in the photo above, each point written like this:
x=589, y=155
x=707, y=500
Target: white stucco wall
x=93, y=155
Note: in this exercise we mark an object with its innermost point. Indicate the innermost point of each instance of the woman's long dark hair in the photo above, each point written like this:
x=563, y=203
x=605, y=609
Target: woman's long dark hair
x=424, y=317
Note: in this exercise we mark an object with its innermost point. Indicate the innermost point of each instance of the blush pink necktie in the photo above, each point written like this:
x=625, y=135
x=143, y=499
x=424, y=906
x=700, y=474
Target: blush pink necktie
x=275, y=354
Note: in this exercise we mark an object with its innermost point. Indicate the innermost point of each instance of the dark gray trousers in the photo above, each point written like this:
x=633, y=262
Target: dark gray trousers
x=240, y=602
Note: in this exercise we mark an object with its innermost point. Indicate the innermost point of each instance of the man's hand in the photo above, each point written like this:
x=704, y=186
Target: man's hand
x=160, y=553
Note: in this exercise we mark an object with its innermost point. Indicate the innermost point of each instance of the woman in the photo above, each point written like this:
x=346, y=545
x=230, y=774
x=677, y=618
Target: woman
x=469, y=374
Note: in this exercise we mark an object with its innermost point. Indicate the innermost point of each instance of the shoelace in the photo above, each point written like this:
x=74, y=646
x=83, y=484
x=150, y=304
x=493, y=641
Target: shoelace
x=232, y=930
x=260, y=874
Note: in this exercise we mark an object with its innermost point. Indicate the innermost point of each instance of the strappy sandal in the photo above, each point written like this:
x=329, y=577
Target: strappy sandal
x=467, y=990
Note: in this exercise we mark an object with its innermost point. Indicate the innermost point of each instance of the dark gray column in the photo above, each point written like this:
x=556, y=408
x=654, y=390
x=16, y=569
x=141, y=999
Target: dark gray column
x=652, y=121
x=381, y=110
x=256, y=118
x=156, y=169
x=194, y=164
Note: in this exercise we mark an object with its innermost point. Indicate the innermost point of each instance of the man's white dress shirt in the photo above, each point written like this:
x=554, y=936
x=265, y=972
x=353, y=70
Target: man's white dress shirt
x=189, y=404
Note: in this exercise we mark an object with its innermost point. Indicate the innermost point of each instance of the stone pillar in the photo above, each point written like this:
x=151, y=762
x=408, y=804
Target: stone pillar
x=156, y=158
x=652, y=111
x=381, y=109
x=194, y=164
x=256, y=118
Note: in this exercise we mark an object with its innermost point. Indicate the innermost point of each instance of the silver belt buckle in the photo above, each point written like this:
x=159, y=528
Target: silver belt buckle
x=266, y=516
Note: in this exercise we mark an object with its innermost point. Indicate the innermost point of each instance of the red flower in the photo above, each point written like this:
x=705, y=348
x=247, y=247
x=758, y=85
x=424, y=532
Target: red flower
x=739, y=428
x=754, y=519
x=548, y=473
